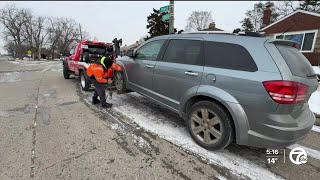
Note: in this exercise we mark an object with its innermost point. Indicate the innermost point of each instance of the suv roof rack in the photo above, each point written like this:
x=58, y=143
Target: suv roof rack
x=240, y=33
x=207, y=32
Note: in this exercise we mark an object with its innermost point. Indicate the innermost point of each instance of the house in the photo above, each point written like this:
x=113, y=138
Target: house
x=300, y=26
x=124, y=49
x=212, y=27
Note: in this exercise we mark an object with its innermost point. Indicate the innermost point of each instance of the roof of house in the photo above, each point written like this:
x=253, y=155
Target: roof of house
x=212, y=27
x=296, y=21
x=132, y=46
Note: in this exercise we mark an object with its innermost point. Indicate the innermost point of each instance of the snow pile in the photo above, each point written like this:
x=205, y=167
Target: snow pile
x=314, y=102
x=10, y=77
x=138, y=141
x=118, y=127
x=15, y=62
x=154, y=122
x=316, y=69
x=141, y=143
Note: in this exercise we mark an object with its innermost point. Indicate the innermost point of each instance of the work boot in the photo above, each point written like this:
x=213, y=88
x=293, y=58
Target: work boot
x=106, y=105
x=95, y=100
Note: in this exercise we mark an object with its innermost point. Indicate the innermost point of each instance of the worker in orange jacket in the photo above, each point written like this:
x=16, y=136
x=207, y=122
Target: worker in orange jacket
x=100, y=74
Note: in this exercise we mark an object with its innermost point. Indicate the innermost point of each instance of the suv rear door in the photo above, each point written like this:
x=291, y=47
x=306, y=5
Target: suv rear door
x=294, y=66
x=179, y=71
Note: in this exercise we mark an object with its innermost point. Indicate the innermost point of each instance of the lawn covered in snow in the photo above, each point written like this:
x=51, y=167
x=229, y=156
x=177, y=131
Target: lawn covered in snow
x=316, y=69
x=314, y=102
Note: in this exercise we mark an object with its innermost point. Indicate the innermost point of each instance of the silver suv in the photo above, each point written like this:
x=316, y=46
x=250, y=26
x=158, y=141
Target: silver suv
x=253, y=90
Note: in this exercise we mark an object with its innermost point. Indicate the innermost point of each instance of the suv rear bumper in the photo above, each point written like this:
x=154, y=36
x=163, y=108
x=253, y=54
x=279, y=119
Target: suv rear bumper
x=273, y=130
x=282, y=136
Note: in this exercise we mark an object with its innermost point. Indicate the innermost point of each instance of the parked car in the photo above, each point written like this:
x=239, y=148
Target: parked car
x=253, y=90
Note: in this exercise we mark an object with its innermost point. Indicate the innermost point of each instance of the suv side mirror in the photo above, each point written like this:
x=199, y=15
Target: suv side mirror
x=130, y=53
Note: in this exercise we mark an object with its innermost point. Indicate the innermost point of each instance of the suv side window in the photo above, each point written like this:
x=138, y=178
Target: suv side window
x=150, y=50
x=184, y=52
x=228, y=56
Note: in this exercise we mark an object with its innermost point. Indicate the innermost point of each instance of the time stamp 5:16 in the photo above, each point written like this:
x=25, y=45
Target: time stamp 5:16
x=296, y=155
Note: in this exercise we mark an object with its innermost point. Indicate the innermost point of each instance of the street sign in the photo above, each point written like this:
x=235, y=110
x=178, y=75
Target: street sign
x=166, y=17
x=165, y=9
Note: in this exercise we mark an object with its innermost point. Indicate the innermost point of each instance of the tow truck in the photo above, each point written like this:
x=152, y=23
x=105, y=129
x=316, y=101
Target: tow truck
x=81, y=56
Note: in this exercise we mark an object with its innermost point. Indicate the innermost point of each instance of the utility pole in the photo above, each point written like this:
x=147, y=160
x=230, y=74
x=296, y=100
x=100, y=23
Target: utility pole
x=171, y=19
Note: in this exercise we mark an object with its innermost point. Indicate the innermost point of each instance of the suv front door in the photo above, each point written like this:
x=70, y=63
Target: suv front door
x=143, y=67
x=179, y=71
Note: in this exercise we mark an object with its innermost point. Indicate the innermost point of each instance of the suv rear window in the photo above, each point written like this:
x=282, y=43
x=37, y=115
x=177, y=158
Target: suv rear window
x=296, y=61
x=228, y=56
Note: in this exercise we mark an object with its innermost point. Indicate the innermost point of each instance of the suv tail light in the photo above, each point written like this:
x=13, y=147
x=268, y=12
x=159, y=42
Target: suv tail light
x=286, y=92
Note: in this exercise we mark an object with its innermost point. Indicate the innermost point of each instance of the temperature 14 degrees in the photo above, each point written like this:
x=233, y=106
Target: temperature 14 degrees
x=272, y=160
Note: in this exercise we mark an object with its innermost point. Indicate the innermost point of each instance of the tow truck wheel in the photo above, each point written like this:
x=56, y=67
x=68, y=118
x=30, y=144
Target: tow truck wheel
x=120, y=83
x=84, y=82
x=66, y=74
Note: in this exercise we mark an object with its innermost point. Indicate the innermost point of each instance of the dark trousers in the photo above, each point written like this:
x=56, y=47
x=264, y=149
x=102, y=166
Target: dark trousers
x=100, y=90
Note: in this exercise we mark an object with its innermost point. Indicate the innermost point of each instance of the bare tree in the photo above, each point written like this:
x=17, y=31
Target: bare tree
x=40, y=33
x=83, y=34
x=69, y=34
x=199, y=20
x=310, y=5
x=35, y=33
x=54, y=33
x=29, y=32
x=62, y=33
x=284, y=8
x=9, y=46
x=256, y=14
x=12, y=19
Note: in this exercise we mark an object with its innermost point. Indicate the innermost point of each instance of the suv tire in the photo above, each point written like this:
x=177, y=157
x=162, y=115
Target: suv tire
x=214, y=132
x=66, y=74
x=84, y=82
x=120, y=83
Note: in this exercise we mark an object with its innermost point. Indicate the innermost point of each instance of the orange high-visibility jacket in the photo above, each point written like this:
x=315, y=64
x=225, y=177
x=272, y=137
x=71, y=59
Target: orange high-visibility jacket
x=97, y=71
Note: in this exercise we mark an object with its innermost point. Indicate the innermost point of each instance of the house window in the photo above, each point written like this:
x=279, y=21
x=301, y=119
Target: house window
x=305, y=39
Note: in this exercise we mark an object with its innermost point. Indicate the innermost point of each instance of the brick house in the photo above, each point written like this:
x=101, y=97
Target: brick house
x=300, y=26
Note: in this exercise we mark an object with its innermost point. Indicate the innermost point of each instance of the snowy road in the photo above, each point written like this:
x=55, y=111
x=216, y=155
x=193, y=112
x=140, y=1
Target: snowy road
x=133, y=113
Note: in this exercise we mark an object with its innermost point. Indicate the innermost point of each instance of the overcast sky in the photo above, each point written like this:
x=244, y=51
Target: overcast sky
x=128, y=19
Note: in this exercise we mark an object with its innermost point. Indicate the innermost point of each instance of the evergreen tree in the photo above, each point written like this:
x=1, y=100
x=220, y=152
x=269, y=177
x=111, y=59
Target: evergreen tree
x=247, y=25
x=156, y=26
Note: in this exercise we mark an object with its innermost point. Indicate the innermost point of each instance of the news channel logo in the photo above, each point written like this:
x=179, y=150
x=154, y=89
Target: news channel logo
x=297, y=156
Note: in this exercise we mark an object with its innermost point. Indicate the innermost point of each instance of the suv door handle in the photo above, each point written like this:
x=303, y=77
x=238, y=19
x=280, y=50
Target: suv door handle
x=149, y=66
x=191, y=73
